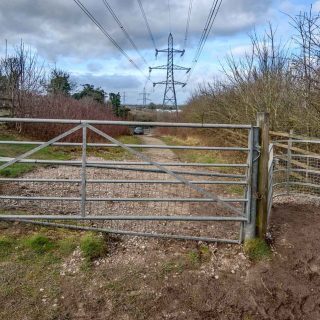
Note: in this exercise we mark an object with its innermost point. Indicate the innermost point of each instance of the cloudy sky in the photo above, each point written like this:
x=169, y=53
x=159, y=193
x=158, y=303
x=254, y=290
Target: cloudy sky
x=64, y=36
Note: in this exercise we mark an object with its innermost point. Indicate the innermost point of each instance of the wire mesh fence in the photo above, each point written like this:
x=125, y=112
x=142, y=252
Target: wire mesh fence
x=296, y=166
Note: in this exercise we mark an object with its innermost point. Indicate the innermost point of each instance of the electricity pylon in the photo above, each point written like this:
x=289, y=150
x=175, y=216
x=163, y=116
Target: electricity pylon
x=145, y=97
x=170, y=97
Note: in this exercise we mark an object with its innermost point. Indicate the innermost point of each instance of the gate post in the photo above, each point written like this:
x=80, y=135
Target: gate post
x=252, y=187
x=263, y=177
x=84, y=170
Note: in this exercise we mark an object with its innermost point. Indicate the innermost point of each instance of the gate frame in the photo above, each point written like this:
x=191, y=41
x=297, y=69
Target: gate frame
x=253, y=196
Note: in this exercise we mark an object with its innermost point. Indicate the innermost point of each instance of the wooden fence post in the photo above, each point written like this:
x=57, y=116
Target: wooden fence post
x=263, y=177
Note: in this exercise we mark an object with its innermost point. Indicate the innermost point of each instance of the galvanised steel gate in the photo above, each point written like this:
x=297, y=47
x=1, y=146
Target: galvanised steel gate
x=151, y=192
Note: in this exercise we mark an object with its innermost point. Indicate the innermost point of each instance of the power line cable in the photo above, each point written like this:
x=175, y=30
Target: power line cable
x=205, y=33
x=93, y=19
x=169, y=10
x=215, y=12
x=124, y=30
x=147, y=24
x=188, y=24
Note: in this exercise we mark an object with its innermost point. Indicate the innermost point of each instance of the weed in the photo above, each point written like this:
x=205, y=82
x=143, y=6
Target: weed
x=92, y=246
x=193, y=257
x=115, y=286
x=40, y=243
x=257, y=249
x=67, y=245
x=172, y=266
x=204, y=253
x=6, y=245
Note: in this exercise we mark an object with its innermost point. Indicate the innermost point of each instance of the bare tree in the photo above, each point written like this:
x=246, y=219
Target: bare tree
x=23, y=76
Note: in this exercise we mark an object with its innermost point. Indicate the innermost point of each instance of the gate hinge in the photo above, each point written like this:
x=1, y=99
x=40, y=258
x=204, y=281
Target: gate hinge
x=259, y=196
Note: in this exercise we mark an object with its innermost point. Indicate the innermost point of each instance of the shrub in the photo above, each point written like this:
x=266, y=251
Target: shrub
x=92, y=246
x=63, y=107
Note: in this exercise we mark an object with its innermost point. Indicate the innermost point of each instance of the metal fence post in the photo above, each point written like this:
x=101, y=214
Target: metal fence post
x=252, y=188
x=289, y=158
x=84, y=170
x=263, y=176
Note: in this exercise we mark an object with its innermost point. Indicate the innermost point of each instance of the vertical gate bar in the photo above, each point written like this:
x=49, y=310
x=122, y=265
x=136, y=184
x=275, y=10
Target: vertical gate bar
x=251, y=209
x=289, y=156
x=84, y=171
x=247, y=189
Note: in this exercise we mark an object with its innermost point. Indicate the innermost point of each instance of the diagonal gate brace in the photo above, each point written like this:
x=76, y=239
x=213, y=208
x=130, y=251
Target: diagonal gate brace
x=42, y=146
x=144, y=157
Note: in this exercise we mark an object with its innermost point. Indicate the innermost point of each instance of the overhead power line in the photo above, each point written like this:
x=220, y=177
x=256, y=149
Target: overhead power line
x=205, y=33
x=124, y=30
x=147, y=24
x=103, y=30
x=169, y=10
x=188, y=24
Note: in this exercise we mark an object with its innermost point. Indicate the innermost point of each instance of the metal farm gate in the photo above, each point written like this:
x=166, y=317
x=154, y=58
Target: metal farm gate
x=150, y=191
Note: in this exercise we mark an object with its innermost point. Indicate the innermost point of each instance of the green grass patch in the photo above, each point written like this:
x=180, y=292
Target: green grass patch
x=67, y=245
x=6, y=246
x=39, y=243
x=93, y=246
x=173, y=267
x=257, y=249
x=12, y=151
x=189, y=260
x=235, y=189
x=205, y=253
x=193, y=258
x=192, y=155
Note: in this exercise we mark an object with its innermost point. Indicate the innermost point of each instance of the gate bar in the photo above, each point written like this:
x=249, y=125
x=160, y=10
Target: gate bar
x=147, y=146
x=124, y=199
x=127, y=123
x=122, y=181
x=125, y=218
x=128, y=233
x=131, y=163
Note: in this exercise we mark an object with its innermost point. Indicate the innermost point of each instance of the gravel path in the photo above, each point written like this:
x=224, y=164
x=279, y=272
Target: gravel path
x=125, y=190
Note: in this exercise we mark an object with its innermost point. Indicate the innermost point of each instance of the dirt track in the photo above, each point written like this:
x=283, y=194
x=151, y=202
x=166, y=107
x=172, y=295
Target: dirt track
x=161, y=155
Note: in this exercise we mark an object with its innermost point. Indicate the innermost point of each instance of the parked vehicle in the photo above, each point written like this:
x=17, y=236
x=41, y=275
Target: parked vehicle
x=138, y=130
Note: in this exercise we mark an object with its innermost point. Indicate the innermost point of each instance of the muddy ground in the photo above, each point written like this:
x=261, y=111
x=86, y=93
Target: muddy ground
x=286, y=287
x=158, y=279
